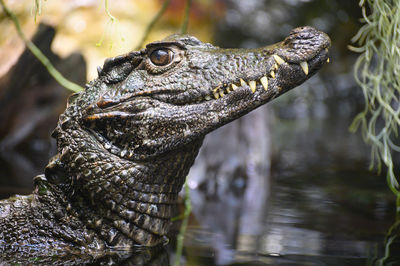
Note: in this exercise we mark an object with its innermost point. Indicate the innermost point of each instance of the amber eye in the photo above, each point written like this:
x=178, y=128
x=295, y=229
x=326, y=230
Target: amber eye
x=161, y=57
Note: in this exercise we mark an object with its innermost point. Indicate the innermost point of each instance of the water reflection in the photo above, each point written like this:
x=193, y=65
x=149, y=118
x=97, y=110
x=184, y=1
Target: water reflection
x=303, y=226
x=229, y=172
x=317, y=205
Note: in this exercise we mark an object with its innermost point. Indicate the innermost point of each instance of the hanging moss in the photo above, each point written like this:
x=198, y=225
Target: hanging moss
x=377, y=71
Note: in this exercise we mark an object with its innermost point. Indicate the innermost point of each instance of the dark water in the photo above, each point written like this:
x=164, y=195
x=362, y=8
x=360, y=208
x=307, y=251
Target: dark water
x=292, y=186
x=287, y=184
x=318, y=204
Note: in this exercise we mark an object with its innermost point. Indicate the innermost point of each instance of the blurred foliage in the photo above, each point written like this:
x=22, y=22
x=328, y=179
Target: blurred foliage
x=377, y=71
x=110, y=23
x=37, y=9
x=82, y=24
x=152, y=23
x=38, y=54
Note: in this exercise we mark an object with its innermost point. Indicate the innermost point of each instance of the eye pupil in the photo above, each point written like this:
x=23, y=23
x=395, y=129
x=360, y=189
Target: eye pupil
x=161, y=57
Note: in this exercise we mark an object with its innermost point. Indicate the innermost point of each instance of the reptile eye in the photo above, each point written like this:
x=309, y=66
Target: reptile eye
x=161, y=57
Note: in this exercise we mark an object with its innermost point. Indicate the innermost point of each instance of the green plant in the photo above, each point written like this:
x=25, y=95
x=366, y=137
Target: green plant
x=377, y=71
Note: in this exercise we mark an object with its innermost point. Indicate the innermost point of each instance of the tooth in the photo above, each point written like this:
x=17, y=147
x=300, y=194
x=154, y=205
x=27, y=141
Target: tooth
x=234, y=87
x=327, y=60
x=275, y=66
x=228, y=89
x=272, y=74
x=216, y=95
x=221, y=92
x=278, y=59
x=252, y=85
x=264, y=82
x=242, y=82
x=304, y=66
x=208, y=98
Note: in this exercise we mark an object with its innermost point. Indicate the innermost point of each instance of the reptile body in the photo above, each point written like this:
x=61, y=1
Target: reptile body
x=126, y=143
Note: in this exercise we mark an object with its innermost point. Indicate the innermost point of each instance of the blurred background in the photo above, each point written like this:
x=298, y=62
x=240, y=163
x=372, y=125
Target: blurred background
x=287, y=184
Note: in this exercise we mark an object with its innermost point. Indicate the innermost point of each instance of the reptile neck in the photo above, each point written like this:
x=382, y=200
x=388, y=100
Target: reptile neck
x=122, y=201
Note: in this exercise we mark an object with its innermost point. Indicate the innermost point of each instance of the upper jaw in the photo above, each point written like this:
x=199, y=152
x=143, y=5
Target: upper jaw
x=287, y=64
x=278, y=77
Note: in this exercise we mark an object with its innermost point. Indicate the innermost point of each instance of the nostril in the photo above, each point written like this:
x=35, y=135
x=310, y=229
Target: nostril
x=302, y=44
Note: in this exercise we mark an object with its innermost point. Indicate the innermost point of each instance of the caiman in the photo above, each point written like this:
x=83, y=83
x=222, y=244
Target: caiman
x=126, y=143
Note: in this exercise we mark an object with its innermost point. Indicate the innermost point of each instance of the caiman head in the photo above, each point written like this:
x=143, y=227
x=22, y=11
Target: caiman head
x=127, y=142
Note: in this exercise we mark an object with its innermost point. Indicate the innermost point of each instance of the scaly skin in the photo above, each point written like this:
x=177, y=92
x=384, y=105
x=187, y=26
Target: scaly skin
x=127, y=142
